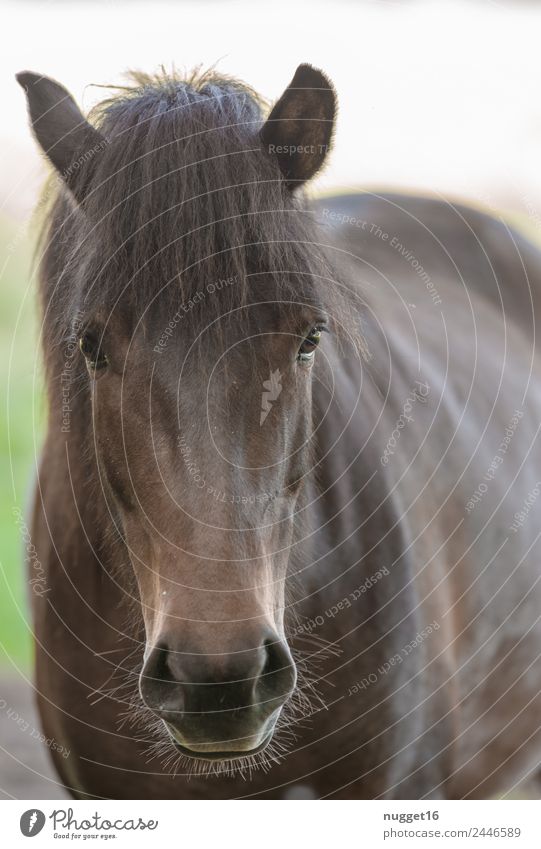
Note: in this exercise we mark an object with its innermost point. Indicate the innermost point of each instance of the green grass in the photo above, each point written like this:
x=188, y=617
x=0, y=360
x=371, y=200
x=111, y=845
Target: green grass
x=21, y=425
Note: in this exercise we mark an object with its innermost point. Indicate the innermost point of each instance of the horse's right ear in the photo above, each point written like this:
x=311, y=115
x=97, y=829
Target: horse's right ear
x=298, y=131
x=61, y=130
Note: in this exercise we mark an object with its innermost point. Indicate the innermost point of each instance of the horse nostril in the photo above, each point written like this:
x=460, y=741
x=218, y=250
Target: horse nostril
x=165, y=665
x=278, y=676
x=157, y=667
x=272, y=659
x=160, y=666
x=158, y=684
x=278, y=656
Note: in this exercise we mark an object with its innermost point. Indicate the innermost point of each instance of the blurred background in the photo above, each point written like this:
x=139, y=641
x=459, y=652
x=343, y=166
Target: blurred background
x=438, y=97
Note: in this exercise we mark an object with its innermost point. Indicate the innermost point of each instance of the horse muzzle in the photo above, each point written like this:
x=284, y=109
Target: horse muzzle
x=219, y=707
x=223, y=750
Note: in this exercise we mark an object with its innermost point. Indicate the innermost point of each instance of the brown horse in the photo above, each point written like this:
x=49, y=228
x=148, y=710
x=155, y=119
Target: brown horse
x=314, y=569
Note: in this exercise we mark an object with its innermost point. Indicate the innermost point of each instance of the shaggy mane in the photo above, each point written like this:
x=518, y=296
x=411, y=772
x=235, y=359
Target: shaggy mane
x=182, y=196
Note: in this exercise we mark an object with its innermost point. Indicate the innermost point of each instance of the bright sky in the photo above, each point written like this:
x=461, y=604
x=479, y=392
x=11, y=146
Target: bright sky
x=442, y=96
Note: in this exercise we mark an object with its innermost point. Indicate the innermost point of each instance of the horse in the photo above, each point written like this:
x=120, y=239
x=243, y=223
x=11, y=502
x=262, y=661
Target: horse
x=285, y=503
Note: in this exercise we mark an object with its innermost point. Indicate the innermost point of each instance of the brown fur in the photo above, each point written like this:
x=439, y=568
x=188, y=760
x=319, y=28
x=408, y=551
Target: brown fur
x=159, y=585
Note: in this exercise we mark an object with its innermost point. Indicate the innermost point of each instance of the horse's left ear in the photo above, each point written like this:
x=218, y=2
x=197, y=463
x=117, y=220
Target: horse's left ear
x=61, y=130
x=299, y=128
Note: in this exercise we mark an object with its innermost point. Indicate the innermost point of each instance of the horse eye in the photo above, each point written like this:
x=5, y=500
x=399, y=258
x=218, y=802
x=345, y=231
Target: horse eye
x=90, y=347
x=309, y=345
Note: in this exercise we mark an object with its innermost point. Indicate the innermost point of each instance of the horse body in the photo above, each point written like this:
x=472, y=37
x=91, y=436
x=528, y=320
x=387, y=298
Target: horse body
x=413, y=608
x=475, y=570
